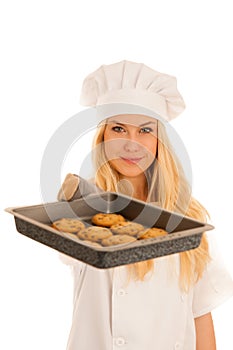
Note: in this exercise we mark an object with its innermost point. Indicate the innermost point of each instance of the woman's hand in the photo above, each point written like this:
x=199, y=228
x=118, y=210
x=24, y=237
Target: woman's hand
x=68, y=188
x=205, y=337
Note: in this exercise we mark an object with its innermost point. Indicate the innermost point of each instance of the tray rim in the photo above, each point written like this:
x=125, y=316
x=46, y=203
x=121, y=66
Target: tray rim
x=138, y=243
x=11, y=210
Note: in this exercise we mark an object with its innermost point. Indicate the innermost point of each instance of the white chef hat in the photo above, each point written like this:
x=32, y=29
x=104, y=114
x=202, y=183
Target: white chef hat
x=133, y=83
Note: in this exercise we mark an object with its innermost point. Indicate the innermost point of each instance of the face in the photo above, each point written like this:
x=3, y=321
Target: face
x=130, y=143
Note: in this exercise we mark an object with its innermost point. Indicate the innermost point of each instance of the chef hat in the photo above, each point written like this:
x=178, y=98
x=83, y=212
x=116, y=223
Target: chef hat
x=133, y=83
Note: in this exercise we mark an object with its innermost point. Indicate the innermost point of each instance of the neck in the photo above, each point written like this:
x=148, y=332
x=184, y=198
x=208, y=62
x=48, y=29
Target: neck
x=138, y=186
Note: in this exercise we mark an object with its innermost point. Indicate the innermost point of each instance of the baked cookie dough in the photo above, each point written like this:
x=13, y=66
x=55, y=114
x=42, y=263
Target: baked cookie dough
x=127, y=228
x=69, y=225
x=94, y=233
x=117, y=239
x=107, y=219
x=152, y=233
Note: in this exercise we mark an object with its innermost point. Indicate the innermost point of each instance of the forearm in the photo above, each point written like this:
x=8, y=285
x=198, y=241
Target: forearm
x=205, y=337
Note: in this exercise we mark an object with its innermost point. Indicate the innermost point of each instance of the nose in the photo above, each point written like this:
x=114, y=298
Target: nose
x=131, y=146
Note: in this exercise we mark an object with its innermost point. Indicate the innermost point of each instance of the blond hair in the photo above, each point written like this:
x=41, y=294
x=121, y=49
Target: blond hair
x=168, y=186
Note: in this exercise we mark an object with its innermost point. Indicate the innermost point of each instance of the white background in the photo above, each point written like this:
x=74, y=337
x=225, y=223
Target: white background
x=47, y=49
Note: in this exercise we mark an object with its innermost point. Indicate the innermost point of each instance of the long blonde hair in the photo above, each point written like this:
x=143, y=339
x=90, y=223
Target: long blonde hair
x=167, y=186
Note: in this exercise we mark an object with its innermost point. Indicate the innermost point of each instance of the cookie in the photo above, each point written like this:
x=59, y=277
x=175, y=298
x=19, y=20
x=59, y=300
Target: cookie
x=70, y=225
x=117, y=239
x=127, y=228
x=94, y=233
x=152, y=233
x=107, y=219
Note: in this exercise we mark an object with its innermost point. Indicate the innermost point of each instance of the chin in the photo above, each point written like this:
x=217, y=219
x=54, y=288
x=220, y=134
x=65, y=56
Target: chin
x=128, y=170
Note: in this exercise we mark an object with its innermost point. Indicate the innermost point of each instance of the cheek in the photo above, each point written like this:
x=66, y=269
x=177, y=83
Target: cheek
x=112, y=148
x=151, y=147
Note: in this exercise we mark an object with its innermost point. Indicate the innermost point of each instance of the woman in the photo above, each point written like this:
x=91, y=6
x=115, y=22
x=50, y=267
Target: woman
x=164, y=303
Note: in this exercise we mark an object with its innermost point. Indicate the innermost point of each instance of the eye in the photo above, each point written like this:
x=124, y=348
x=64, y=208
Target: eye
x=118, y=129
x=146, y=130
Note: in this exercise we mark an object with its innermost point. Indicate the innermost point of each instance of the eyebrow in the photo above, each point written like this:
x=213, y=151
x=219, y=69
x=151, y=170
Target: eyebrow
x=143, y=124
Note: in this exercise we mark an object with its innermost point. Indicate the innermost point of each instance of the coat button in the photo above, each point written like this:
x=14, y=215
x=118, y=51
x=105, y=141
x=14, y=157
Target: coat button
x=177, y=346
x=120, y=341
x=121, y=292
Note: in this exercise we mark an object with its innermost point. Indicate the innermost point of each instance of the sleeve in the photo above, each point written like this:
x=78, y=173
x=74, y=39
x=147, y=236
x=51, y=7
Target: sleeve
x=67, y=260
x=215, y=286
x=75, y=265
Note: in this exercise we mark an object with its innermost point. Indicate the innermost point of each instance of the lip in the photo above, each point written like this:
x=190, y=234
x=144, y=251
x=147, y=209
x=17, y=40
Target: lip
x=132, y=160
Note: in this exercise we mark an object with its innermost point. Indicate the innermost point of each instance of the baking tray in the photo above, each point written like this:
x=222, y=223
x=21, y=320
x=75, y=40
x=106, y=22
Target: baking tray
x=35, y=222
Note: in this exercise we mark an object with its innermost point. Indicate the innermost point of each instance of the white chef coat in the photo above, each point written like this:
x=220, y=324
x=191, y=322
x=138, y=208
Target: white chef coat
x=111, y=313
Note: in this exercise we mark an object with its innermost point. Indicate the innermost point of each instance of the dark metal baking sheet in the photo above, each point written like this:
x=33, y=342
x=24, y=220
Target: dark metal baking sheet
x=35, y=222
